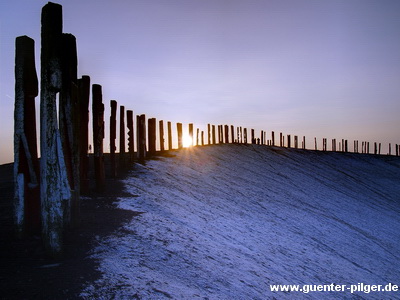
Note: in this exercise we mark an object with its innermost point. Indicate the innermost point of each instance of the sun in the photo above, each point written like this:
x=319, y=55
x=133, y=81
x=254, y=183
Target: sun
x=187, y=141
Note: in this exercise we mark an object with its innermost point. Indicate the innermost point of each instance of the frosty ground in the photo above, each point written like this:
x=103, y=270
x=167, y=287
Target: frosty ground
x=228, y=221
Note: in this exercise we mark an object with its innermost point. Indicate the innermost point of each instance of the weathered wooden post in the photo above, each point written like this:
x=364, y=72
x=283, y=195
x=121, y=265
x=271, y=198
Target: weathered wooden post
x=273, y=138
x=375, y=148
x=226, y=134
x=281, y=139
x=84, y=95
x=98, y=136
x=397, y=150
x=289, y=141
x=379, y=149
x=179, y=129
x=202, y=138
x=296, y=142
x=346, y=146
x=169, y=135
x=315, y=142
x=26, y=163
x=208, y=134
x=191, y=133
x=304, y=142
x=113, y=136
x=141, y=136
x=265, y=138
x=197, y=136
x=54, y=187
x=213, y=135
x=69, y=124
x=219, y=134
x=152, y=136
x=323, y=144
x=262, y=137
x=245, y=135
x=122, y=137
x=232, y=134
x=390, y=149
x=253, y=140
x=131, y=135
x=161, y=130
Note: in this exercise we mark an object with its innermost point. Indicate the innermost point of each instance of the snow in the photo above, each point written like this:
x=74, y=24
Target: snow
x=227, y=221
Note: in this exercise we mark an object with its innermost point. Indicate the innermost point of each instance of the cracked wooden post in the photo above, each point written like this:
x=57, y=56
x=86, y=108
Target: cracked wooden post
x=152, y=136
x=113, y=136
x=179, y=131
x=161, y=130
x=226, y=134
x=213, y=135
x=54, y=187
x=122, y=137
x=84, y=95
x=141, y=137
x=69, y=124
x=191, y=134
x=131, y=136
x=26, y=163
x=98, y=136
x=208, y=134
x=169, y=136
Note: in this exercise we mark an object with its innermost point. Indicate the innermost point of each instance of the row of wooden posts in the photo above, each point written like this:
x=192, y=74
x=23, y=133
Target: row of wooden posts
x=47, y=193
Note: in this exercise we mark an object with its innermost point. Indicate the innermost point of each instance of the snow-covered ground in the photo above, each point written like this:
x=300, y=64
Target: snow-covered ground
x=227, y=221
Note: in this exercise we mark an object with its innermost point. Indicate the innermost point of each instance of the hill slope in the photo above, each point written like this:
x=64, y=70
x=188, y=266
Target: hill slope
x=226, y=222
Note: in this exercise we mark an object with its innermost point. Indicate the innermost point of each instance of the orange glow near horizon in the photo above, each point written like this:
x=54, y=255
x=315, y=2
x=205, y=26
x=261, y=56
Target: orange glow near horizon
x=187, y=141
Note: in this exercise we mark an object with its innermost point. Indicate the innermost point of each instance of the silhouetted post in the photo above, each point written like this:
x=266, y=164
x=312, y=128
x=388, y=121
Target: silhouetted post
x=281, y=139
x=262, y=137
x=169, y=135
x=296, y=142
x=304, y=142
x=26, y=164
x=397, y=150
x=179, y=129
x=233, y=134
x=253, y=140
x=380, y=148
x=390, y=149
x=54, y=187
x=191, y=134
x=69, y=124
x=197, y=136
x=289, y=143
x=220, y=135
x=315, y=141
x=213, y=134
x=323, y=144
x=245, y=135
x=152, y=136
x=98, y=135
x=202, y=138
x=84, y=95
x=226, y=134
x=161, y=129
x=122, y=137
x=346, y=146
x=141, y=136
x=238, y=135
x=113, y=136
x=241, y=135
x=375, y=148
x=265, y=138
x=131, y=136
x=273, y=138
x=208, y=134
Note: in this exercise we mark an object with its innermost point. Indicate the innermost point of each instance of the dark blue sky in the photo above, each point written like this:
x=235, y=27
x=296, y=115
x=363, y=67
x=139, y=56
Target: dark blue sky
x=314, y=68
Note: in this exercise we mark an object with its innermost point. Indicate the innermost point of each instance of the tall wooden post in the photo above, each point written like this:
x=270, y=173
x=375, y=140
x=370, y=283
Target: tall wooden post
x=281, y=139
x=226, y=134
x=54, y=187
x=113, y=136
x=84, y=95
x=315, y=142
x=152, y=136
x=253, y=140
x=288, y=141
x=197, y=137
x=213, y=135
x=169, y=136
x=161, y=130
x=273, y=138
x=390, y=149
x=122, y=137
x=245, y=135
x=262, y=137
x=232, y=134
x=141, y=136
x=191, y=134
x=296, y=142
x=98, y=136
x=202, y=138
x=208, y=134
x=26, y=163
x=304, y=142
x=179, y=130
x=131, y=135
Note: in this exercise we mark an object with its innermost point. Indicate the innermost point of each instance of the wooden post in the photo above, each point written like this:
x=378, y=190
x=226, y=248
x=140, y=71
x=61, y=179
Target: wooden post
x=375, y=148
x=241, y=135
x=54, y=187
x=232, y=134
x=296, y=142
x=191, y=134
x=226, y=134
x=152, y=136
x=253, y=140
x=379, y=148
x=131, y=136
x=281, y=139
x=208, y=134
x=304, y=142
x=169, y=135
x=273, y=138
x=262, y=137
x=84, y=95
x=197, y=137
x=238, y=135
x=213, y=135
x=289, y=141
x=202, y=138
x=179, y=129
x=26, y=163
x=346, y=146
x=220, y=137
x=113, y=136
x=162, y=141
x=397, y=150
x=141, y=137
x=315, y=141
x=390, y=149
x=69, y=124
x=245, y=135
x=122, y=137
x=98, y=136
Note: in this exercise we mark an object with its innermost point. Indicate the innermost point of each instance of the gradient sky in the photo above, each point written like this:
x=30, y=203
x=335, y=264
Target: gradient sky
x=307, y=67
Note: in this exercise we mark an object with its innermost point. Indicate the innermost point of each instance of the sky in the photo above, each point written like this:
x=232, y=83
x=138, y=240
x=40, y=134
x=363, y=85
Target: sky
x=302, y=67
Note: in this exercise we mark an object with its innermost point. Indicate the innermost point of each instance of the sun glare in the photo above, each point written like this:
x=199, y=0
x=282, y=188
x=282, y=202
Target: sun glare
x=187, y=141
